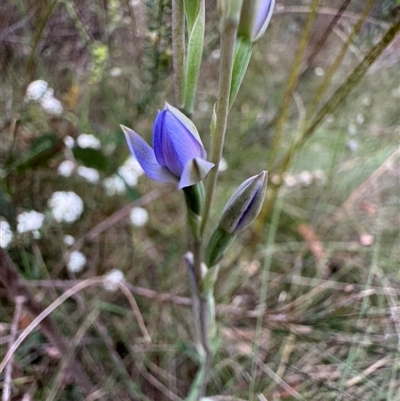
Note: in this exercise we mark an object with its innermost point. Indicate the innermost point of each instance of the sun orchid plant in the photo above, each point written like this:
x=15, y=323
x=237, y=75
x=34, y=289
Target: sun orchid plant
x=178, y=156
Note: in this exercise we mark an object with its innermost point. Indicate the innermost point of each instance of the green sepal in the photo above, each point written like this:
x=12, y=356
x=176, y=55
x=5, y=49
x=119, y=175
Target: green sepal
x=194, y=197
x=243, y=50
x=218, y=244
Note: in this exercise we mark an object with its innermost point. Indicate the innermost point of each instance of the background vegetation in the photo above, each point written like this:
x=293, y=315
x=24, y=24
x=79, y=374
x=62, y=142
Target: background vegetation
x=323, y=259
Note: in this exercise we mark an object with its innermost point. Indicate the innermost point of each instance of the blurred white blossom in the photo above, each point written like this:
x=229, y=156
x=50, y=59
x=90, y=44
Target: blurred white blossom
x=223, y=165
x=65, y=206
x=114, y=185
x=112, y=279
x=69, y=141
x=115, y=72
x=76, y=262
x=36, y=90
x=138, y=216
x=65, y=168
x=306, y=178
x=290, y=180
x=69, y=240
x=88, y=141
x=5, y=234
x=30, y=221
x=352, y=129
x=303, y=179
x=89, y=174
x=352, y=145
x=39, y=91
x=130, y=171
x=50, y=104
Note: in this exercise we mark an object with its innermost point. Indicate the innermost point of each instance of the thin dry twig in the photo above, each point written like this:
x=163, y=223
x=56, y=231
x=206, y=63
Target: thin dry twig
x=41, y=317
x=19, y=301
x=135, y=308
x=16, y=286
x=368, y=371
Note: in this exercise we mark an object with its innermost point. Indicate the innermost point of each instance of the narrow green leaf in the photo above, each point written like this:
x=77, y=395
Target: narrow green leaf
x=193, y=60
x=192, y=8
x=241, y=61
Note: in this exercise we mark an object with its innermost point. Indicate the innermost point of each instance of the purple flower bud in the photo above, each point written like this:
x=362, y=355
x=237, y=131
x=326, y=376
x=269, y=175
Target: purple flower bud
x=177, y=155
x=255, y=17
x=244, y=205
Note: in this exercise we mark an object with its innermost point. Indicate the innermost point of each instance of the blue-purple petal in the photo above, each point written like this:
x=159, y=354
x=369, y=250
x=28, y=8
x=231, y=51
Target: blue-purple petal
x=174, y=144
x=145, y=156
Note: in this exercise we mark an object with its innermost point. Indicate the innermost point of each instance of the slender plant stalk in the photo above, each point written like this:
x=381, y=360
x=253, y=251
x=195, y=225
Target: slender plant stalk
x=38, y=35
x=228, y=39
x=292, y=82
x=178, y=49
x=328, y=108
x=324, y=37
x=338, y=61
x=262, y=303
x=280, y=122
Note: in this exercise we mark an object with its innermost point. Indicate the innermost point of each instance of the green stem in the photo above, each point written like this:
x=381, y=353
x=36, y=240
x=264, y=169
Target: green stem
x=178, y=49
x=228, y=40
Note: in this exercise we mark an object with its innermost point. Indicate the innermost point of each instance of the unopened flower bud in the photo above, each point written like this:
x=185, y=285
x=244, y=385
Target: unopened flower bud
x=240, y=211
x=244, y=205
x=255, y=17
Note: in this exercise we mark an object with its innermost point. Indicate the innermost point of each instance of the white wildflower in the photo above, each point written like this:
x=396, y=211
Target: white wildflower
x=352, y=129
x=319, y=71
x=112, y=278
x=36, y=90
x=352, y=145
x=115, y=72
x=290, y=180
x=130, y=171
x=6, y=234
x=138, y=216
x=76, y=262
x=114, y=185
x=69, y=141
x=50, y=104
x=360, y=118
x=89, y=174
x=366, y=239
x=305, y=178
x=65, y=206
x=223, y=165
x=65, y=168
x=30, y=221
x=69, y=240
x=88, y=141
